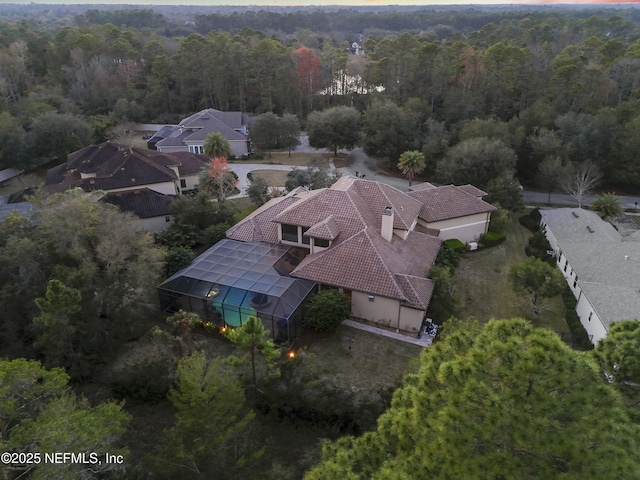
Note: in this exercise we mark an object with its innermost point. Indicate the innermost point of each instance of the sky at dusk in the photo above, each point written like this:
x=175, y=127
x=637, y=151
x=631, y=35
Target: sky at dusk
x=282, y=3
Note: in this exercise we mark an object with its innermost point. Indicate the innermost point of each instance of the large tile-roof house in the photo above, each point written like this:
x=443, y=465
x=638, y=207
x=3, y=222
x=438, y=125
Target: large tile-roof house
x=152, y=178
x=189, y=135
x=370, y=240
x=601, y=265
x=366, y=238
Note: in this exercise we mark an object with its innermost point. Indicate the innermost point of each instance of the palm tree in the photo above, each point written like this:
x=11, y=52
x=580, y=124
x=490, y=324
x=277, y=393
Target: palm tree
x=411, y=163
x=215, y=145
x=607, y=205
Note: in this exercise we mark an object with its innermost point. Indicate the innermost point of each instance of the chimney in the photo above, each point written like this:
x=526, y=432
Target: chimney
x=387, y=224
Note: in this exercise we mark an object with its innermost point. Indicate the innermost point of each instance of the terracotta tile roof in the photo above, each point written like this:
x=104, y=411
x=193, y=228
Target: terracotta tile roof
x=447, y=202
x=473, y=190
x=367, y=263
x=422, y=186
x=417, y=290
x=110, y=166
x=143, y=203
x=328, y=229
x=378, y=196
x=259, y=227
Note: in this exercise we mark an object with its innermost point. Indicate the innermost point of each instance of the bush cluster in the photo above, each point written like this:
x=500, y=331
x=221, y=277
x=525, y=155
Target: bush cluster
x=531, y=220
x=491, y=239
x=579, y=337
x=145, y=382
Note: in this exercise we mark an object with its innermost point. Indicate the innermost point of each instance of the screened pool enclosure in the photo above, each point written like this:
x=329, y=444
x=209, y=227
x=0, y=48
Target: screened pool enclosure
x=233, y=280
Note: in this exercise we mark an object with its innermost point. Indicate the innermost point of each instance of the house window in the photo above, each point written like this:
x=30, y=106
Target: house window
x=565, y=266
x=167, y=219
x=290, y=233
x=321, y=242
x=590, y=316
x=575, y=282
x=183, y=183
x=305, y=239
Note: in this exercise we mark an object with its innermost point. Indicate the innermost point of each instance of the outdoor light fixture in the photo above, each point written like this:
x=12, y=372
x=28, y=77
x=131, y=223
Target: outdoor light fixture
x=292, y=354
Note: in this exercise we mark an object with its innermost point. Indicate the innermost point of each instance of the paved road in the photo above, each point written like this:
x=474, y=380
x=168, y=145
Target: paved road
x=360, y=164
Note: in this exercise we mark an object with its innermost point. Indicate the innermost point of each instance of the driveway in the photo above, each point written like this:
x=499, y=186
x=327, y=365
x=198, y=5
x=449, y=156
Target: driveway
x=242, y=169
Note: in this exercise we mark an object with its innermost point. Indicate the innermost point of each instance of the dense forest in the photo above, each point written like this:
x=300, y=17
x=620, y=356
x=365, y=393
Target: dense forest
x=544, y=80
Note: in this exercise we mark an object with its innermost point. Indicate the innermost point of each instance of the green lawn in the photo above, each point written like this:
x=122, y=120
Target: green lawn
x=484, y=289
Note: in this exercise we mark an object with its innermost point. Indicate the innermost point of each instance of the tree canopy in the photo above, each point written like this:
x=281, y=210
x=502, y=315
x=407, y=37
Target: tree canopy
x=499, y=401
x=105, y=270
x=41, y=414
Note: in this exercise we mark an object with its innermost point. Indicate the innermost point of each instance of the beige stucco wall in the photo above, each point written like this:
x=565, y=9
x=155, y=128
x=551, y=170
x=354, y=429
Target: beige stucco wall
x=385, y=312
x=411, y=319
x=466, y=229
x=191, y=181
x=594, y=327
x=154, y=224
x=381, y=310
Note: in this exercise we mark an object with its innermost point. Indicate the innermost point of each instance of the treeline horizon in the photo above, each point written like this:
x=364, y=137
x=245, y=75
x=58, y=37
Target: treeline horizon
x=570, y=76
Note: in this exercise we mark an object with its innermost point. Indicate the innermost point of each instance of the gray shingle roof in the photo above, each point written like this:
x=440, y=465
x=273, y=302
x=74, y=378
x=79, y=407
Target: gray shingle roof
x=606, y=263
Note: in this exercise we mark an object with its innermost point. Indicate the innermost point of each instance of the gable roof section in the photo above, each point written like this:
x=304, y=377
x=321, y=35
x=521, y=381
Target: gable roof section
x=143, y=203
x=328, y=229
x=367, y=263
x=443, y=203
x=190, y=163
x=110, y=166
x=378, y=196
x=258, y=226
x=212, y=120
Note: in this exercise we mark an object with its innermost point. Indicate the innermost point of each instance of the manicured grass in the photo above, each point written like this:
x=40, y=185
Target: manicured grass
x=274, y=178
x=485, y=292
x=243, y=207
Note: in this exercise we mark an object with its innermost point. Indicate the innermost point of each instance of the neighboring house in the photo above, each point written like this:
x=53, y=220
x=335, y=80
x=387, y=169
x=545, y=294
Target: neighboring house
x=602, y=267
x=190, y=134
x=21, y=209
x=155, y=176
x=455, y=212
x=151, y=208
x=363, y=237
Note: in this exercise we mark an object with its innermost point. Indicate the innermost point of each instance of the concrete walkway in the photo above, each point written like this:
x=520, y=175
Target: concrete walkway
x=424, y=341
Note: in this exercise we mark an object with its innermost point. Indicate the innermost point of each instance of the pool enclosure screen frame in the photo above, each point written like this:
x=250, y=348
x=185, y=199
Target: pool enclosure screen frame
x=233, y=280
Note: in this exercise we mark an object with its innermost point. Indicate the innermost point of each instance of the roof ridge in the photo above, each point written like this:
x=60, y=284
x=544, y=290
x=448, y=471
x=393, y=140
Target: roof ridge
x=384, y=264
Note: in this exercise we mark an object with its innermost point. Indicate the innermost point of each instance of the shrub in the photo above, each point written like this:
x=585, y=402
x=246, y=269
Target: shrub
x=144, y=382
x=327, y=309
x=454, y=244
x=538, y=246
x=531, y=220
x=447, y=256
x=491, y=239
x=579, y=336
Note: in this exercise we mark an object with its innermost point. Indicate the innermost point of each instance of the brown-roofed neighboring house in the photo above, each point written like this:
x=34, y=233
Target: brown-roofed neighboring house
x=112, y=167
x=152, y=208
x=371, y=240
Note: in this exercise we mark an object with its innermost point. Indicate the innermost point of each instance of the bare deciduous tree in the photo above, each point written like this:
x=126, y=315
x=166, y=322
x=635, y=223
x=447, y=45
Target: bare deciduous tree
x=581, y=180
